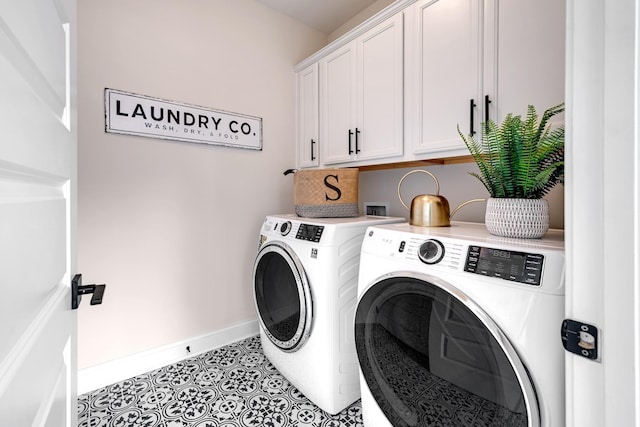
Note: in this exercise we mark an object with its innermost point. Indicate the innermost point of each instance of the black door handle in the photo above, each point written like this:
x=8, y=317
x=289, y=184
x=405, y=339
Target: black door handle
x=350, y=135
x=312, y=156
x=472, y=105
x=357, y=133
x=78, y=289
x=487, y=101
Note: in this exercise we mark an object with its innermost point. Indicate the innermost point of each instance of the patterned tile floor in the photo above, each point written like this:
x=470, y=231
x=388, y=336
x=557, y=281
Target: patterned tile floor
x=232, y=386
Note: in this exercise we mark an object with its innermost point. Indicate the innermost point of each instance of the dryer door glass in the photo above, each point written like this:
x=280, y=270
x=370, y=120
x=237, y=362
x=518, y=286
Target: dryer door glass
x=282, y=296
x=430, y=359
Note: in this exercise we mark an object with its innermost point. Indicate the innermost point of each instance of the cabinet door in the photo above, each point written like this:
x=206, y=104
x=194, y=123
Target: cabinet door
x=443, y=46
x=524, y=55
x=307, y=117
x=379, y=123
x=337, y=104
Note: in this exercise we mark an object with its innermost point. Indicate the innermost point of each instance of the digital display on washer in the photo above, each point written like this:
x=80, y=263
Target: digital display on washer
x=505, y=264
x=310, y=232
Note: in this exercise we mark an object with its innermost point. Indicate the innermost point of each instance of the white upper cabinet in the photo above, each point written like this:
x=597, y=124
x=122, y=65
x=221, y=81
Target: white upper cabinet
x=361, y=96
x=443, y=68
x=397, y=87
x=470, y=60
x=338, y=104
x=525, y=51
x=380, y=90
x=307, y=117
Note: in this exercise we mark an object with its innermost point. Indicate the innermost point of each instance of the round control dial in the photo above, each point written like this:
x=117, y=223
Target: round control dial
x=285, y=228
x=431, y=251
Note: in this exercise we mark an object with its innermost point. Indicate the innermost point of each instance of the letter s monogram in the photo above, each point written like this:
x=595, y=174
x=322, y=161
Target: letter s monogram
x=333, y=187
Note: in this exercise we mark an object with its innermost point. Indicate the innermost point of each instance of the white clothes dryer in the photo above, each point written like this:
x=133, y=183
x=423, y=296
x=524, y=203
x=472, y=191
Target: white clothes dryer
x=456, y=327
x=305, y=279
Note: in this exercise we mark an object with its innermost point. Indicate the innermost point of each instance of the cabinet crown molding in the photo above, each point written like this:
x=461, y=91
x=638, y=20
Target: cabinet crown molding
x=385, y=13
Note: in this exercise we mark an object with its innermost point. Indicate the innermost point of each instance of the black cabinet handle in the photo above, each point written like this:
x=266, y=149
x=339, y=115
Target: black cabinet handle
x=357, y=149
x=472, y=105
x=312, y=156
x=350, y=135
x=487, y=101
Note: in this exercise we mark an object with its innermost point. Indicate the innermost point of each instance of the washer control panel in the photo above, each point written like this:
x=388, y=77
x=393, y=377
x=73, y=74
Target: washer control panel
x=438, y=253
x=309, y=232
x=291, y=229
x=510, y=265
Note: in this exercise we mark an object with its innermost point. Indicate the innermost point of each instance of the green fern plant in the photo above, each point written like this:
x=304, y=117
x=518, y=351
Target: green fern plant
x=519, y=159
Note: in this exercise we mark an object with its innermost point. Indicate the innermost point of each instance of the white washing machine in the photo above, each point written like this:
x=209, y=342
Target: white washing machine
x=305, y=283
x=456, y=327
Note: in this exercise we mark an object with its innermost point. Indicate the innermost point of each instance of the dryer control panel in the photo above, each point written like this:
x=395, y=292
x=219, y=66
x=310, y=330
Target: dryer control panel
x=510, y=265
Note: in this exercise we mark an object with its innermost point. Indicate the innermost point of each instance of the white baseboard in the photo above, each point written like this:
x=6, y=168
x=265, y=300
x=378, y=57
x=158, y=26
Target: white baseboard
x=95, y=377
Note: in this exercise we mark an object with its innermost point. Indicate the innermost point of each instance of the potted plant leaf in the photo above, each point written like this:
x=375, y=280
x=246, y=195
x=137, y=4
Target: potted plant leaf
x=520, y=161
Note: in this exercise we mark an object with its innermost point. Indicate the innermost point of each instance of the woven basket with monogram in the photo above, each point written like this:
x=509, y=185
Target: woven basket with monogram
x=326, y=193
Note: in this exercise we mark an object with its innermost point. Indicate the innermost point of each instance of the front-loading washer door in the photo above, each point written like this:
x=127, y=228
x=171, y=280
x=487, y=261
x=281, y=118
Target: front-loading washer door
x=431, y=357
x=282, y=296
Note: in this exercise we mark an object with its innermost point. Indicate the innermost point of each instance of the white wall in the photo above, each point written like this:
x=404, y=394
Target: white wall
x=171, y=227
x=456, y=185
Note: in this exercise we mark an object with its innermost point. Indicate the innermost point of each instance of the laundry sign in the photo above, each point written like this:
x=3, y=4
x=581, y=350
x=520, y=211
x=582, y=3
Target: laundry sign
x=132, y=114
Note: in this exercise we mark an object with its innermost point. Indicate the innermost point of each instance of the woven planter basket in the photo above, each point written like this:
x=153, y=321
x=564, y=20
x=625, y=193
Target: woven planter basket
x=519, y=218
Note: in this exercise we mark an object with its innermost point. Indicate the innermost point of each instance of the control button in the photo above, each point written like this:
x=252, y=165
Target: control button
x=285, y=228
x=402, y=245
x=431, y=251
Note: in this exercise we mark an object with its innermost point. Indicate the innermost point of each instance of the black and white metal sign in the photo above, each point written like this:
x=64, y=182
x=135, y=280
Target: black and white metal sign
x=132, y=114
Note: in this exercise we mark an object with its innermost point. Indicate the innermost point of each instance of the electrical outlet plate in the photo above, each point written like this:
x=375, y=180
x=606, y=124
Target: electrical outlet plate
x=376, y=208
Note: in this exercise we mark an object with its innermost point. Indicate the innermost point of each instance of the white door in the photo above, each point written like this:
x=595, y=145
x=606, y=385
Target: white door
x=37, y=213
x=603, y=209
x=379, y=94
x=307, y=117
x=338, y=104
x=443, y=63
x=518, y=49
